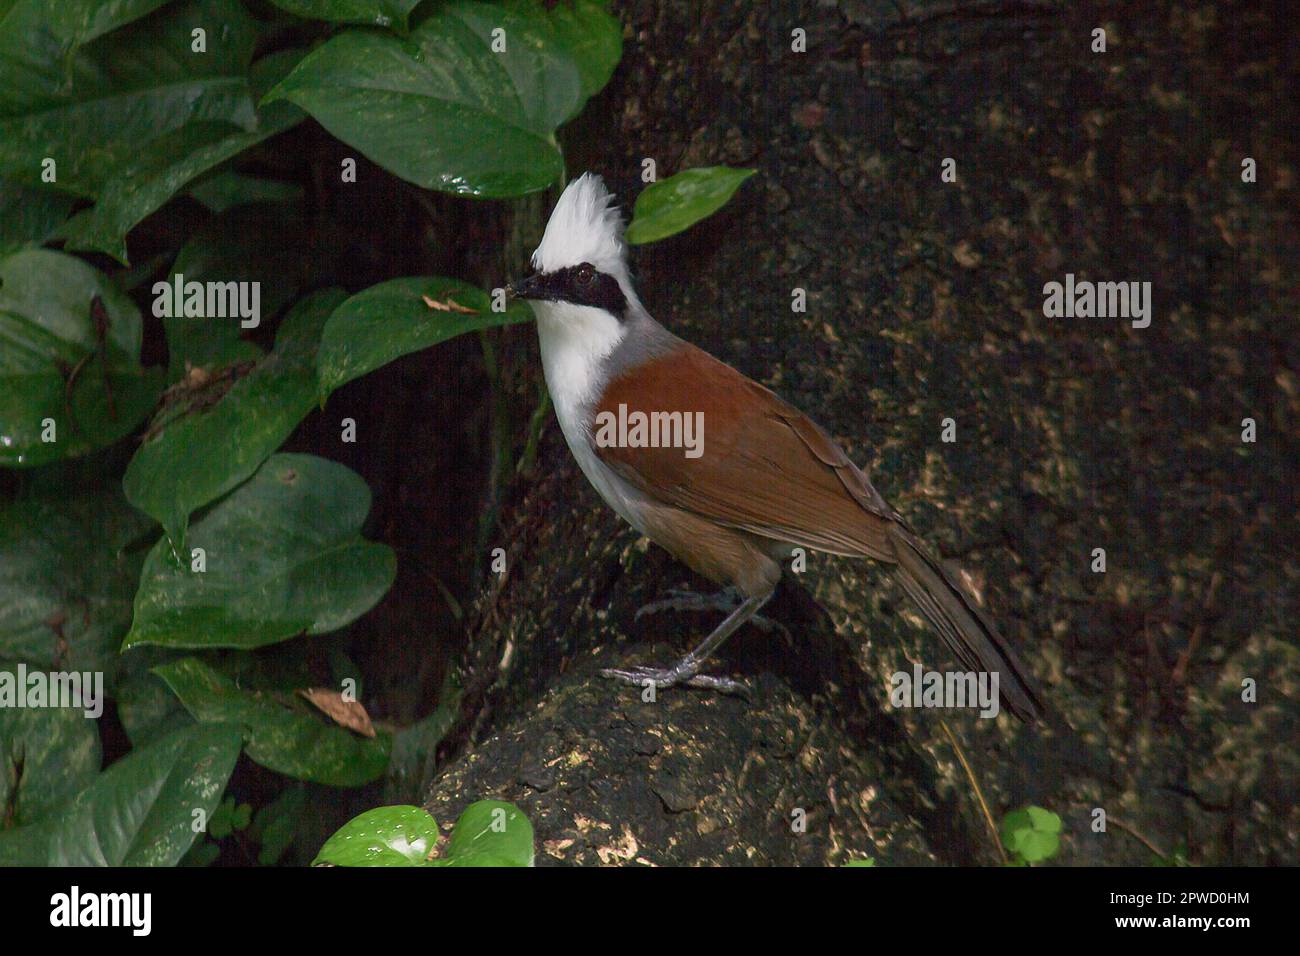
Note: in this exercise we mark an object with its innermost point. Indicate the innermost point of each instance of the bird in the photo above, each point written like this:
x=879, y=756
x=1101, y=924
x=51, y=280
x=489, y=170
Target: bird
x=762, y=478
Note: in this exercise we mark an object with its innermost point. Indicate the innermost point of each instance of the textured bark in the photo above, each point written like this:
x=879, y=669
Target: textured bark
x=925, y=303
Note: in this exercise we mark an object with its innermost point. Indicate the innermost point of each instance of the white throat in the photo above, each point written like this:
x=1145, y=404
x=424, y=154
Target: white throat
x=575, y=340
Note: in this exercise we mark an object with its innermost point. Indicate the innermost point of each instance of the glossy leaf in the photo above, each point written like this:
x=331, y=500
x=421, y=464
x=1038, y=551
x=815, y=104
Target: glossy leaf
x=675, y=204
x=385, y=836
x=379, y=13
x=47, y=755
x=144, y=181
x=147, y=180
x=92, y=106
x=489, y=833
x=37, y=38
x=48, y=339
x=280, y=738
x=284, y=555
x=393, y=319
x=139, y=812
x=67, y=578
x=210, y=440
x=457, y=115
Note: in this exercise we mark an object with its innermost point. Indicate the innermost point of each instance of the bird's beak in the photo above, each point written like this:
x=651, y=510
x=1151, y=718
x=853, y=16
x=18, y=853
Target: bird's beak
x=531, y=287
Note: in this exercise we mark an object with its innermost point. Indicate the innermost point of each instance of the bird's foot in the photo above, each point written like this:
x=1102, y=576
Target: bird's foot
x=728, y=599
x=683, y=672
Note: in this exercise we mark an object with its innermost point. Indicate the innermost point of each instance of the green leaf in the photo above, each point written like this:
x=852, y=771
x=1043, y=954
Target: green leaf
x=489, y=833
x=275, y=826
x=385, y=836
x=211, y=441
x=284, y=554
x=37, y=39
x=47, y=755
x=864, y=861
x=675, y=204
x=392, y=319
x=1033, y=833
x=92, y=106
x=147, y=709
x=226, y=190
x=593, y=37
x=144, y=182
x=379, y=13
x=445, y=111
x=26, y=846
x=139, y=812
x=220, y=824
x=47, y=334
x=29, y=216
x=66, y=581
x=288, y=741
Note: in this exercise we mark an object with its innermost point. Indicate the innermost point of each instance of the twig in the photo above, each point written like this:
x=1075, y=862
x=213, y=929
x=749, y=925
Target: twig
x=1125, y=828
x=975, y=785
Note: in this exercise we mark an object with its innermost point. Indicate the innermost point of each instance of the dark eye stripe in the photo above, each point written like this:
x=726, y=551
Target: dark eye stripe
x=588, y=286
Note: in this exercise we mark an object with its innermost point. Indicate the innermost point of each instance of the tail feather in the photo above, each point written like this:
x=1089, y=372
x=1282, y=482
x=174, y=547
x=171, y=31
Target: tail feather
x=965, y=628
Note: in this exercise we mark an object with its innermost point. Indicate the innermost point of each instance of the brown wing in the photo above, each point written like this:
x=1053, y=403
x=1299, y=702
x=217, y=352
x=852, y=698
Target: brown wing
x=764, y=467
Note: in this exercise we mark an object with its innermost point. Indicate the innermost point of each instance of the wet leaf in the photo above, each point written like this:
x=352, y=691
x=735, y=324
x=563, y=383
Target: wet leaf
x=385, y=836
x=47, y=755
x=220, y=429
x=140, y=811
x=444, y=110
x=675, y=204
x=284, y=555
x=287, y=741
x=67, y=579
x=104, y=102
x=489, y=833
x=54, y=367
x=393, y=319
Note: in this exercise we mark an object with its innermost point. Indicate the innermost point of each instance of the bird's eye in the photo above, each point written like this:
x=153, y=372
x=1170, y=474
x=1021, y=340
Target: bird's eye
x=585, y=274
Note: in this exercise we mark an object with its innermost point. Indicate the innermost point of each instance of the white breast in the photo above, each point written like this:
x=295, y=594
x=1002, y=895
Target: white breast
x=575, y=339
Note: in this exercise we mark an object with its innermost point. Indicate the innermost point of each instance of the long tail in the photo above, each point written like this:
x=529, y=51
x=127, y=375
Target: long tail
x=963, y=626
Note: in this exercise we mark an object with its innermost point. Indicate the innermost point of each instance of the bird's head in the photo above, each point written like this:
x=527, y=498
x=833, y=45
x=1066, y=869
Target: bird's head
x=582, y=259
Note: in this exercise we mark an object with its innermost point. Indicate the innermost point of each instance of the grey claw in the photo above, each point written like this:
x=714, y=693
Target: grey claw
x=663, y=678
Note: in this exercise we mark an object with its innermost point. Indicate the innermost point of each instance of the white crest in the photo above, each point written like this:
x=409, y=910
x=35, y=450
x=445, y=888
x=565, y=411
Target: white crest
x=585, y=226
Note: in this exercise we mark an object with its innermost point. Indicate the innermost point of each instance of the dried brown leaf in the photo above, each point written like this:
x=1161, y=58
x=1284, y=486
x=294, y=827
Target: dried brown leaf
x=346, y=713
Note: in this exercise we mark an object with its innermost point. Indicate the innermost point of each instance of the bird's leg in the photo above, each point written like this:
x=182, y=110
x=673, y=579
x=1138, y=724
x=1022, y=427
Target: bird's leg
x=728, y=599
x=687, y=670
